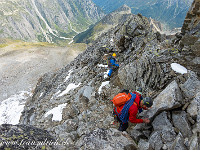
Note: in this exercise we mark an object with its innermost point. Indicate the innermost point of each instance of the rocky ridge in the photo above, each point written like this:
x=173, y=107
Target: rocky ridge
x=83, y=95
x=111, y=21
x=190, y=29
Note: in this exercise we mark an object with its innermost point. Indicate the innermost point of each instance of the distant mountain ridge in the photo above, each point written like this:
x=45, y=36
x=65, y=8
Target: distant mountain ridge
x=110, y=21
x=170, y=12
x=49, y=21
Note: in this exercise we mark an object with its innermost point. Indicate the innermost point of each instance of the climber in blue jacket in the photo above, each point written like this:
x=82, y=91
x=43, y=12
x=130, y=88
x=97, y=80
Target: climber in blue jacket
x=112, y=63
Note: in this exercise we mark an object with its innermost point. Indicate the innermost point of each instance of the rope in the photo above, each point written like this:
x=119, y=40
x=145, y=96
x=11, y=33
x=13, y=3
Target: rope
x=123, y=115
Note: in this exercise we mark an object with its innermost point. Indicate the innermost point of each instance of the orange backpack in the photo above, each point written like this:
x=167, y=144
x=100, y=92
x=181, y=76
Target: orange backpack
x=120, y=99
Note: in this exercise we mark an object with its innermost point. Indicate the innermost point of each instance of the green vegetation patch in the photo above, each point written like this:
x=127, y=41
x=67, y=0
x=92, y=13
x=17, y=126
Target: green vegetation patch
x=35, y=44
x=18, y=44
x=3, y=45
x=99, y=27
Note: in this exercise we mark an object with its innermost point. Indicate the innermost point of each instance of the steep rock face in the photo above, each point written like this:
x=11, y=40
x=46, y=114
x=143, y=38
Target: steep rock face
x=190, y=29
x=180, y=131
x=188, y=41
x=192, y=21
x=46, y=20
x=80, y=93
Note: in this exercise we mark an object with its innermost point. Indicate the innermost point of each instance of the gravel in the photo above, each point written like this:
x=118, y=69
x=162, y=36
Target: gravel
x=20, y=69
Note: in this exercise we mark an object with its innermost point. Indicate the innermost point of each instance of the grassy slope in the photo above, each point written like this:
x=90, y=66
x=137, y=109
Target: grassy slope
x=17, y=44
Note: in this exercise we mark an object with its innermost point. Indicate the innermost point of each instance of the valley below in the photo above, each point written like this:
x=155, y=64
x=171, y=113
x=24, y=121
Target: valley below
x=22, y=64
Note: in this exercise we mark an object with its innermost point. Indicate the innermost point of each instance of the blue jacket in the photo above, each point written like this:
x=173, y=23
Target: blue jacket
x=113, y=62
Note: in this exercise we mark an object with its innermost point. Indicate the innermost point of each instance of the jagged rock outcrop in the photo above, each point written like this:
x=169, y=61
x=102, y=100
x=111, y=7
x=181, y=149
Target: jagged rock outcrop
x=188, y=41
x=25, y=138
x=73, y=104
x=106, y=139
x=163, y=132
x=190, y=29
x=50, y=21
x=182, y=121
x=191, y=23
x=169, y=98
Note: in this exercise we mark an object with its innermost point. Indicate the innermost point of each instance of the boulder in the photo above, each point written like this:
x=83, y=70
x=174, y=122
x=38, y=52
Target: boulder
x=162, y=122
x=191, y=86
x=143, y=145
x=178, y=144
x=110, y=139
x=155, y=141
x=194, y=142
x=181, y=122
x=163, y=129
x=25, y=137
x=192, y=109
x=168, y=99
x=140, y=131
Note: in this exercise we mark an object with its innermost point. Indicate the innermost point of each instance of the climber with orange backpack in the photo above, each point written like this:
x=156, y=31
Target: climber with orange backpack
x=127, y=106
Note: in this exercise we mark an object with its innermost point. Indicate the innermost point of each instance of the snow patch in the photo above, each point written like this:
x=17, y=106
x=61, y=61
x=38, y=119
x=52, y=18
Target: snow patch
x=101, y=65
x=71, y=41
x=70, y=71
x=102, y=85
x=57, y=92
x=106, y=74
x=11, y=108
x=57, y=112
x=178, y=68
x=41, y=94
x=69, y=87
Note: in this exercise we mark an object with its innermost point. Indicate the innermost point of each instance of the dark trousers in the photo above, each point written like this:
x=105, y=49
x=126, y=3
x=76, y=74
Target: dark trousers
x=123, y=126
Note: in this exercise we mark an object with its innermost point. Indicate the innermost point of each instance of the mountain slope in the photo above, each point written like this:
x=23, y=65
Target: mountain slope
x=110, y=21
x=74, y=103
x=49, y=21
x=169, y=12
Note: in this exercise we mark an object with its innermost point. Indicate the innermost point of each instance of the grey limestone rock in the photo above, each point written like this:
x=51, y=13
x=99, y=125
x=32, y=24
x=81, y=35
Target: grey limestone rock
x=106, y=139
x=181, y=122
x=191, y=86
x=163, y=129
x=179, y=143
x=168, y=99
x=25, y=137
